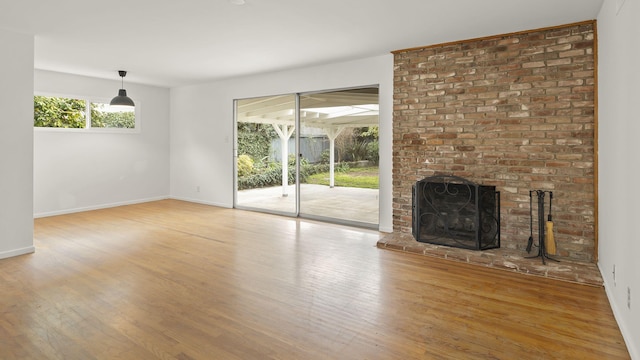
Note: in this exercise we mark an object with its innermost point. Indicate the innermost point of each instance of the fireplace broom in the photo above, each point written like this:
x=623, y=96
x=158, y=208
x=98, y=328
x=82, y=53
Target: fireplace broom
x=549, y=240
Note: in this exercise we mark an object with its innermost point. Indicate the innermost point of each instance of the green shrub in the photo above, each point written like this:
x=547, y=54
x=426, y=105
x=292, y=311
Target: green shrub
x=267, y=177
x=272, y=175
x=325, y=156
x=357, y=151
x=58, y=112
x=255, y=139
x=245, y=165
x=292, y=160
x=373, y=154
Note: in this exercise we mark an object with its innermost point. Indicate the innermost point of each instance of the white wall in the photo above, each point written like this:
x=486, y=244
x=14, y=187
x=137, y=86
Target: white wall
x=16, y=144
x=80, y=170
x=619, y=166
x=202, y=125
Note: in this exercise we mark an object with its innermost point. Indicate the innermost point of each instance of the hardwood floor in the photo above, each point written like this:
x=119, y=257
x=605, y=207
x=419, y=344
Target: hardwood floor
x=177, y=280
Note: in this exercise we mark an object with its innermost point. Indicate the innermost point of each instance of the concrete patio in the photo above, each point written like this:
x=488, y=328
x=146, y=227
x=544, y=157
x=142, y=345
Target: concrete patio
x=341, y=203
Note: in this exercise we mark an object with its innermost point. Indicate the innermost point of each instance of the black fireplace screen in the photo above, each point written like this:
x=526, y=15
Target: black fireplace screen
x=452, y=211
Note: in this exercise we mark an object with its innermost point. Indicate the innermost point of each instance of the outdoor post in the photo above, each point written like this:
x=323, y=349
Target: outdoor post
x=284, y=133
x=332, y=134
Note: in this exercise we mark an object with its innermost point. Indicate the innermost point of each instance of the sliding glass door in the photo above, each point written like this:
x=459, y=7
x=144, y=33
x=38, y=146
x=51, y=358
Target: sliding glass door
x=265, y=154
x=339, y=145
x=312, y=155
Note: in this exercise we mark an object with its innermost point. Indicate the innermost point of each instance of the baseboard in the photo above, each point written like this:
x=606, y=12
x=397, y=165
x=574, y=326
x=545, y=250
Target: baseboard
x=17, y=252
x=197, y=201
x=634, y=352
x=230, y=206
x=97, y=207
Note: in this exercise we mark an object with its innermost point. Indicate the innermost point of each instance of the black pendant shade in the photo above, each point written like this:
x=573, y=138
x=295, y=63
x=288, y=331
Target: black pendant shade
x=122, y=99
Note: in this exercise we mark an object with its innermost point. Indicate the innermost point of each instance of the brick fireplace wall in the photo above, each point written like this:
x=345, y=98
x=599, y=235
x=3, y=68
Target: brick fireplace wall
x=515, y=111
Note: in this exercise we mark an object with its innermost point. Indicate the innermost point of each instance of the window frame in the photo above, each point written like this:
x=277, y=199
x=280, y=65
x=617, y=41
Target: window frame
x=87, y=126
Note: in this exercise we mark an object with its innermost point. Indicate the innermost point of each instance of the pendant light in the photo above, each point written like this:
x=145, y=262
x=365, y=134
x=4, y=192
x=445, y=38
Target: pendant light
x=122, y=99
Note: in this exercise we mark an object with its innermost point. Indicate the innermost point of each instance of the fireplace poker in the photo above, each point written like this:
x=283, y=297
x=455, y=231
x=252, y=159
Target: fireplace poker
x=530, y=242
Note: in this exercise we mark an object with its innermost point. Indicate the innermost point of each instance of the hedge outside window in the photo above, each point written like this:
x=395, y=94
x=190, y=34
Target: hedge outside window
x=106, y=116
x=73, y=113
x=58, y=112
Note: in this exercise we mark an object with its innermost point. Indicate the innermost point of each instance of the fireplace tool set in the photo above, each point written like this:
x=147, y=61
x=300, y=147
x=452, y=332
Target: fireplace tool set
x=546, y=242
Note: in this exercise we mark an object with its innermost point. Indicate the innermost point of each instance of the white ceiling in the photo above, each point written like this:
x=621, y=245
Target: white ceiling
x=179, y=42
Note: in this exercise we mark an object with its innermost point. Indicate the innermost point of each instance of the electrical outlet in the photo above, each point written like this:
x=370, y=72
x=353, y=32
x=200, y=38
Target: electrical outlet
x=629, y=297
x=614, y=275
x=198, y=188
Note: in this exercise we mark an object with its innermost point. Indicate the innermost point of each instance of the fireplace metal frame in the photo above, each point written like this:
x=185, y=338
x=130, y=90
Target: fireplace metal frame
x=472, y=221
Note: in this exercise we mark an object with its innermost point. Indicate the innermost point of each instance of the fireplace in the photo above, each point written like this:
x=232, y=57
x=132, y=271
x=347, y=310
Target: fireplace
x=452, y=211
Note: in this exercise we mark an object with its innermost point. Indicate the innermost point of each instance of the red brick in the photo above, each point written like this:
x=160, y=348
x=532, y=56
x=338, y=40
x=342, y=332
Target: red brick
x=522, y=119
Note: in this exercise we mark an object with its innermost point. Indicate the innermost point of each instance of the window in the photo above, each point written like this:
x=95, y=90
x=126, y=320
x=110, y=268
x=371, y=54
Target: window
x=58, y=112
x=106, y=116
x=76, y=113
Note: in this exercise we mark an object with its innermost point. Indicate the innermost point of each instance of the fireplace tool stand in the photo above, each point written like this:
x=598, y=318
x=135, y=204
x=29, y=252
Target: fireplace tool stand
x=542, y=250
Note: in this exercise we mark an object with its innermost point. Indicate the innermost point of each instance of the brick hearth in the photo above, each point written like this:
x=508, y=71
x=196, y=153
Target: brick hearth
x=505, y=259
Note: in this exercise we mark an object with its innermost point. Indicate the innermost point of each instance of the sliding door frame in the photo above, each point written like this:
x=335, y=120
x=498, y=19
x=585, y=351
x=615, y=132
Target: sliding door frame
x=298, y=195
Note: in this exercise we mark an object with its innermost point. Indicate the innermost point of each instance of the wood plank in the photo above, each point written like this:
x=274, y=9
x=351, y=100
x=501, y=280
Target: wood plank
x=177, y=280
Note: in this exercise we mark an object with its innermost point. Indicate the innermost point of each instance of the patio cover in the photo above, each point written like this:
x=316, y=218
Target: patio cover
x=331, y=112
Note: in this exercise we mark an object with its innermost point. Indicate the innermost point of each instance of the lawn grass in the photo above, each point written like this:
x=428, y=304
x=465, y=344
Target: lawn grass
x=365, y=178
